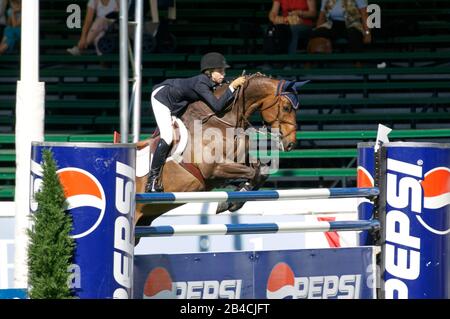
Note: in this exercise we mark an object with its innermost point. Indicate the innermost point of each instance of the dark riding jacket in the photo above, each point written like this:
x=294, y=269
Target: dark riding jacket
x=178, y=93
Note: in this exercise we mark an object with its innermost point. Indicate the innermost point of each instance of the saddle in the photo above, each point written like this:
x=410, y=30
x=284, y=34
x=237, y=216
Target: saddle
x=146, y=148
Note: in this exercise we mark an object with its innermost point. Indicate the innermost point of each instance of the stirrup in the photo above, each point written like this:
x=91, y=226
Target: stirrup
x=153, y=186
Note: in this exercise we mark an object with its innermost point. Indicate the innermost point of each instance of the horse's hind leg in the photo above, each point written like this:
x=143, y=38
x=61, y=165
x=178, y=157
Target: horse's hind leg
x=174, y=179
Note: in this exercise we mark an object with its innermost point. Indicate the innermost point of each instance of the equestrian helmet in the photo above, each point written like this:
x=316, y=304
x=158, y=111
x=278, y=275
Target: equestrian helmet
x=213, y=60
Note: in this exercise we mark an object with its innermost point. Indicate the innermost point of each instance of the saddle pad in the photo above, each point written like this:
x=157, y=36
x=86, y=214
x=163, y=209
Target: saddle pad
x=144, y=156
x=143, y=161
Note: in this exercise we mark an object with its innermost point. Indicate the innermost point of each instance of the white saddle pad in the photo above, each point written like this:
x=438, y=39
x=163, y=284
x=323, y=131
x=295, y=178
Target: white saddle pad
x=143, y=156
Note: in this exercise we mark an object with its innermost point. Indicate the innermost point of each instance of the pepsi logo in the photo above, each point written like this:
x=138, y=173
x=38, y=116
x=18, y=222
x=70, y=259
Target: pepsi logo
x=436, y=195
x=85, y=199
x=280, y=283
x=158, y=285
x=364, y=178
x=436, y=188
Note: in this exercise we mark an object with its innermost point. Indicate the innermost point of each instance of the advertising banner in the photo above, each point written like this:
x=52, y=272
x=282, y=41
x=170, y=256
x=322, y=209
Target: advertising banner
x=416, y=227
x=99, y=185
x=284, y=274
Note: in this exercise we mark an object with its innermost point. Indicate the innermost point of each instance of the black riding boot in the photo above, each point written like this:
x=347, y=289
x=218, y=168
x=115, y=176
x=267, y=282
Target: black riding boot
x=157, y=162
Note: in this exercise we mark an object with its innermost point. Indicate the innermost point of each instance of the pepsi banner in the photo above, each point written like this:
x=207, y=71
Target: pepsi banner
x=99, y=184
x=415, y=180
x=285, y=274
x=365, y=178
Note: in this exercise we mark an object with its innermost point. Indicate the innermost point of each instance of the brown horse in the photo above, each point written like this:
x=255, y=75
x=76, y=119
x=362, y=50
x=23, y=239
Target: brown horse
x=274, y=101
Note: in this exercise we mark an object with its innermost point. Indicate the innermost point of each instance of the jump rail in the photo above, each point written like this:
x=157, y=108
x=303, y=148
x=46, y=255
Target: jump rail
x=288, y=194
x=238, y=213
x=263, y=228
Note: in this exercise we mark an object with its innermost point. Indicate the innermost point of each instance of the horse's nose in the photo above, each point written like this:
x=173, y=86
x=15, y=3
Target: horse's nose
x=290, y=146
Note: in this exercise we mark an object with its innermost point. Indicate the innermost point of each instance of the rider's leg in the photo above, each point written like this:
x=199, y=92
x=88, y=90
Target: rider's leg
x=158, y=160
x=164, y=122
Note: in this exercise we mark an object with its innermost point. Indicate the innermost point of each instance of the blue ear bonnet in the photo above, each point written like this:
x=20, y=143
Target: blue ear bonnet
x=290, y=90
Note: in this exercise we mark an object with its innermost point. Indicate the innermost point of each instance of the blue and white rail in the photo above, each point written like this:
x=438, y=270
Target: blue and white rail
x=263, y=228
x=288, y=194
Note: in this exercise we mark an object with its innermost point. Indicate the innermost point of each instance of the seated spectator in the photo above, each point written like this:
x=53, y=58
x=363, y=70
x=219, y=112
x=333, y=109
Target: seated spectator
x=298, y=15
x=93, y=30
x=11, y=35
x=163, y=4
x=3, y=4
x=344, y=18
x=158, y=35
x=155, y=22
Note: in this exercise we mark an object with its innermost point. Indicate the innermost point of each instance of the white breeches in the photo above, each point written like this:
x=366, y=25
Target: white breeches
x=163, y=118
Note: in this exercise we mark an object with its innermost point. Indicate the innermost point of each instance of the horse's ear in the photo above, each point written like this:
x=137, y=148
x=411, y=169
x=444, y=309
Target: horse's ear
x=288, y=86
x=298, y=85
x=292, y=89
x=291, y=86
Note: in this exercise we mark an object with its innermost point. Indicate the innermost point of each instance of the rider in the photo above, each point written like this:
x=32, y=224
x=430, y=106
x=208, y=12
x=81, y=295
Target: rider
x=172, y=96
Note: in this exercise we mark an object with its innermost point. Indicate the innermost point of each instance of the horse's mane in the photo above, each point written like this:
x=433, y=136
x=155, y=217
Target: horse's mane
x=258, y=74
x=254, y=76
x=248, y=77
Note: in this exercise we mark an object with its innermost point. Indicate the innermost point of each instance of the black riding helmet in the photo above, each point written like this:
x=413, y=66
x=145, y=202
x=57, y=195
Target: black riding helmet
x=213, y=60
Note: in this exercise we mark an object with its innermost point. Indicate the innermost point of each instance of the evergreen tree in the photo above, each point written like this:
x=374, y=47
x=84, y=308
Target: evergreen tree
x=51, y=248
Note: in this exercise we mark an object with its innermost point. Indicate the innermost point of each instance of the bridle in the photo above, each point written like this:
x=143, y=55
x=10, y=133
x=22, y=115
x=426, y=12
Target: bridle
x=242, y=117
x=275, y=102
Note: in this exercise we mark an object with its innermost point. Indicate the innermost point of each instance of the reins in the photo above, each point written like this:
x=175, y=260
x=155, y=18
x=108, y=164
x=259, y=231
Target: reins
x=242, y=117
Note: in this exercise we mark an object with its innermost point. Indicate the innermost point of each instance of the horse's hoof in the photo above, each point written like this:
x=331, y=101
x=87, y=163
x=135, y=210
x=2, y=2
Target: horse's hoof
x=222, y=207
x=136, y=241
x=235, y=206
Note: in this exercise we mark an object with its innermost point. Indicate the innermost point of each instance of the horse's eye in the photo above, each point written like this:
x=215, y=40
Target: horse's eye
x=286, y=108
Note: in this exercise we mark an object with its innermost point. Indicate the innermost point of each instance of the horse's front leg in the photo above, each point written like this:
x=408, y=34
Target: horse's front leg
x=254, y=175
x=253, y=184
x=232, y=171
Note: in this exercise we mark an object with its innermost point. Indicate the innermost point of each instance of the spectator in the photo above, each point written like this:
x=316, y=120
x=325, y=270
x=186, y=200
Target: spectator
x=344, y=18
x=3, y=4
x=298, y=15
x=169, y=4
x=12, y=31
x=155, y=5
x=93, y=30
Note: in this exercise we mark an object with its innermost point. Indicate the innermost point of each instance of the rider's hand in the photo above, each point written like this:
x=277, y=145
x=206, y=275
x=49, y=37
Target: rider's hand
x=238, y=82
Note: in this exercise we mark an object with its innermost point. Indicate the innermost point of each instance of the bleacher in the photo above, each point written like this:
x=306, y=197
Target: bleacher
x=341, y=106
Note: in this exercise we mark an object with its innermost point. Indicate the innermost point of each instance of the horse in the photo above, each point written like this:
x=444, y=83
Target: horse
x=276, y=101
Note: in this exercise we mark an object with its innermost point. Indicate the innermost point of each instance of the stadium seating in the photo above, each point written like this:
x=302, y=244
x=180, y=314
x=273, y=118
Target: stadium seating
x=340, y=107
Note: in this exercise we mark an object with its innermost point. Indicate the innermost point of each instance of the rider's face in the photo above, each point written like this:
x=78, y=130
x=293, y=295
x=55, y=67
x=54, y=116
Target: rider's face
x=218, y=75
